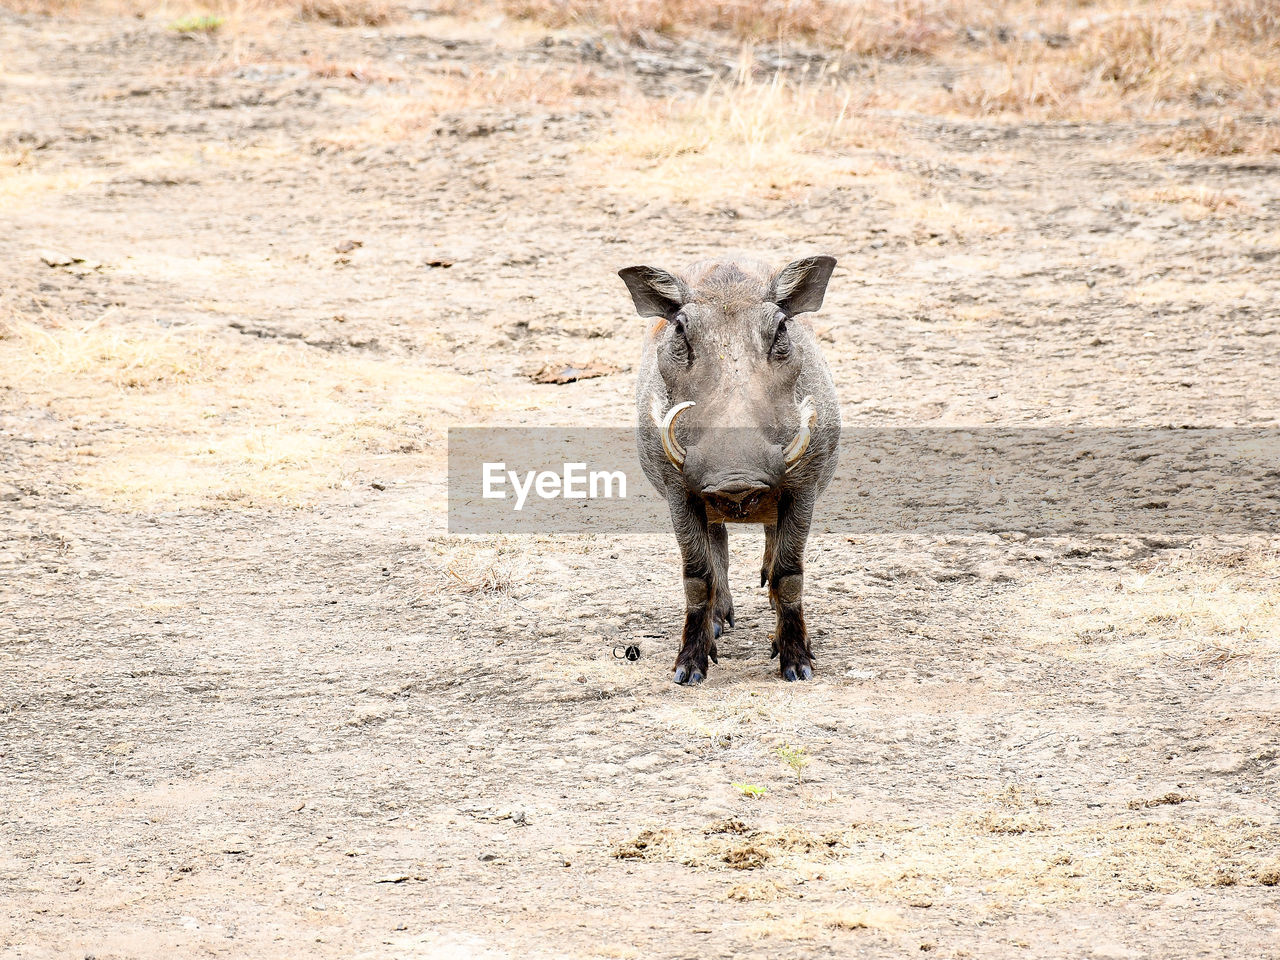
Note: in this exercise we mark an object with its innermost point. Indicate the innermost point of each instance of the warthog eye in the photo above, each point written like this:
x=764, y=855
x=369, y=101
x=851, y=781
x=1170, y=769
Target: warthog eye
x=780, y=349
x=680, y=346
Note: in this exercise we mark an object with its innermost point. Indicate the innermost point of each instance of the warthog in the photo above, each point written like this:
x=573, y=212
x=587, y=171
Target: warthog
x=738, y=422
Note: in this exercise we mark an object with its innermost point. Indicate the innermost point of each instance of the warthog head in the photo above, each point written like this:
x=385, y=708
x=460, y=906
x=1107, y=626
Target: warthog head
x=738, y=423
x=729, y=357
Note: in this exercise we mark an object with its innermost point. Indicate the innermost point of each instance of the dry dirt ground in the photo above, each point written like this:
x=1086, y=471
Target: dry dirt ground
x=255, y=701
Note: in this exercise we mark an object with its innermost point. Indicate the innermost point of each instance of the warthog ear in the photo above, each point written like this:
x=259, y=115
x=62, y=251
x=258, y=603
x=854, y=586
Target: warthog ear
x=800, y=286
x=656, y=293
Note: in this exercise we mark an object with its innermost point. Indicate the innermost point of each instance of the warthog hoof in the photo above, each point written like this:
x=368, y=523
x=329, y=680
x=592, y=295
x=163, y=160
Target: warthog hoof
x=692, y=665
x=688, y=676
x=800, y=671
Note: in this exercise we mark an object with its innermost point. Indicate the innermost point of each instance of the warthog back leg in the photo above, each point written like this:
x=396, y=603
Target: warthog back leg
x=766, y=563
x=718, y=533
x=786, y=589
x=700, y=581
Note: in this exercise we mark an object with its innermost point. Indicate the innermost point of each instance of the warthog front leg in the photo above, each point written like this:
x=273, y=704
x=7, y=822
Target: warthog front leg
x=786, y=588
x=701, y=581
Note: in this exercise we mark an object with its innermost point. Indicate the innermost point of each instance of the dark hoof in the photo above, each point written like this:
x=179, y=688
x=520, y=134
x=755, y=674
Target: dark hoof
x=688, y=676
x=723, y=621
x=764, y=576
x=799, y=672
x=714, y=654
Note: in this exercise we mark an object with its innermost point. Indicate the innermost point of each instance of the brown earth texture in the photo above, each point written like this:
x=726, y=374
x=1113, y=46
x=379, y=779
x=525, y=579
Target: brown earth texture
x=257, y=701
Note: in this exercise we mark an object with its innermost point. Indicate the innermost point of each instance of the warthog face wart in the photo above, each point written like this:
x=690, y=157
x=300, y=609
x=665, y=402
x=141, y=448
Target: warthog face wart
x=737, y=423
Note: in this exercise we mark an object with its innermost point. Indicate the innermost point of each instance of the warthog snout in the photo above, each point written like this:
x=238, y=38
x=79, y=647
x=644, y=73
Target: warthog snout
x=677, y=454
x=736, y=491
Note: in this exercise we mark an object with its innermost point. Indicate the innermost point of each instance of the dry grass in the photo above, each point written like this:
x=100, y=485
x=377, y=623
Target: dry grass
x=361, y=71
x=1251, y=21
x=1192, y=612
x=341, y=13
x=792, y=923
x=186, y=418
x=483, y=574
x=742, y=137
x=513, y=86
x=346, y=13
x=1171, y=799
x=23, y=184
x=1215, y=201
x=513, y=90
x=234, y=61
x=1223, y=137
x=849, y=918
x=1196, y=203
x=771, y=138
x=1018, y=58
x=886, y=28
x=475, y=576
x=914, y=862
x=1143, y=59
x=47, y=8
x=1057, y=59
x=1013, y=59
x=745, y=716
x=1102, y=861
x=754, y=891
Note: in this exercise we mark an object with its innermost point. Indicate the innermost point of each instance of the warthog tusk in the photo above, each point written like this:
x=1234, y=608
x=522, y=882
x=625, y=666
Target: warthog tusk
x=795, y=450
x=670, y=445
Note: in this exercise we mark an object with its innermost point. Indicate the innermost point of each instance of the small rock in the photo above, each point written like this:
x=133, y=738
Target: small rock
x=562, y=373
x=54, y=259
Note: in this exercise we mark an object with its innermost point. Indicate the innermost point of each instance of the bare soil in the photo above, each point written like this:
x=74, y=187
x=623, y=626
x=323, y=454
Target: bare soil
x=254, y=700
